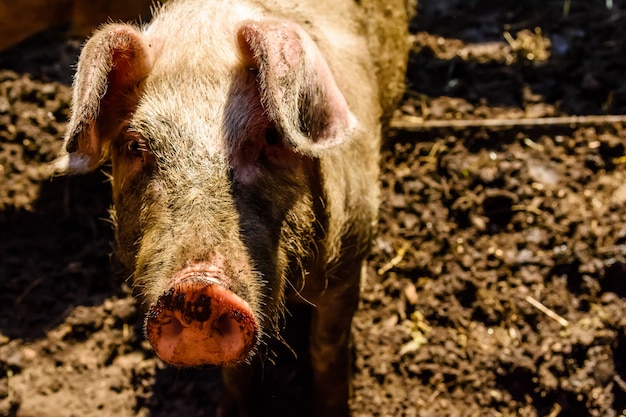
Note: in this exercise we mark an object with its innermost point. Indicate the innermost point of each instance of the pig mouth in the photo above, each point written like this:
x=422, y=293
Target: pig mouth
x=198, y=321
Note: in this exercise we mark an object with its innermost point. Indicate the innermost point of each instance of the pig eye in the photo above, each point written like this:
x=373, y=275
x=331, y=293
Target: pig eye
x=136, y=147
x=272, y=137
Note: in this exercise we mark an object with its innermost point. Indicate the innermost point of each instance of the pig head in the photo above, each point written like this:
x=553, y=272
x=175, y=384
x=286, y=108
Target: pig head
x=244, y=148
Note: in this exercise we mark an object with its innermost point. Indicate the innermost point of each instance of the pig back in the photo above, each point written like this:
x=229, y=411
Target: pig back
x=386, y=25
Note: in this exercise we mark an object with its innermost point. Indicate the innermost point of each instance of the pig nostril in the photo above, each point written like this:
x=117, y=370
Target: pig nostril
x=172, y=329
x=224, y=325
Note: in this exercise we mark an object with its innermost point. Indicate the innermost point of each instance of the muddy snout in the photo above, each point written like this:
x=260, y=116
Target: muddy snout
x=198, y=321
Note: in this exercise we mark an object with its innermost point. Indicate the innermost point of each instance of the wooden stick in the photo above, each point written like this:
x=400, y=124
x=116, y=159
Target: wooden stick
x=556, y=410
x=545, y=310
x=396, y=259
x=416, y=124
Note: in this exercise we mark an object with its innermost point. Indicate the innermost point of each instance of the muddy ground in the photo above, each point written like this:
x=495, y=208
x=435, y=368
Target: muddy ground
x=496, y=286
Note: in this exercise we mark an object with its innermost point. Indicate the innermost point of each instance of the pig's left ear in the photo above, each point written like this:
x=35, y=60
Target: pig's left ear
x=297, y=88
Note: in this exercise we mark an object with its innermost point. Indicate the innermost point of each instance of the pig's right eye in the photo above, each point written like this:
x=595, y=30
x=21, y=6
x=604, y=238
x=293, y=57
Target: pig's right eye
x=136, y=148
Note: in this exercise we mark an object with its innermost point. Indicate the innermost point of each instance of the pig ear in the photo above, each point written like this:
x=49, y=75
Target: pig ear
x=297, y=88
x=110, y=66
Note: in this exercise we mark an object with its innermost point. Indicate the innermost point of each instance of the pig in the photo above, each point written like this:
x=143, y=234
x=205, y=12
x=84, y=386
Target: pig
x=244, y=142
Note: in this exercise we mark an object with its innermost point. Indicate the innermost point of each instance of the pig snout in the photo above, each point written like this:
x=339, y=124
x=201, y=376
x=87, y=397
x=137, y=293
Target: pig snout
x=199, y=321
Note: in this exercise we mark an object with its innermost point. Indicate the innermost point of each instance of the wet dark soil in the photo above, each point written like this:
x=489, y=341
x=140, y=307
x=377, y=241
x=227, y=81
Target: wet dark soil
x=497, y=285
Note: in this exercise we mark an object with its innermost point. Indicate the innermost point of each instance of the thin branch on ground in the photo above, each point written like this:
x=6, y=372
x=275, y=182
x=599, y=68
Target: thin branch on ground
x=415, y=124
x=545, y=310
x=556, y=410
x=396, y=259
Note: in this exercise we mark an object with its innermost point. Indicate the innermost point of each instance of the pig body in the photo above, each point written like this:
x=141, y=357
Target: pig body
x=244, y=138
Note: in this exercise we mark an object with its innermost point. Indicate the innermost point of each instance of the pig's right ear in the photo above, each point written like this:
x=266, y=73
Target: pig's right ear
x=298, y=90
x=111, y=65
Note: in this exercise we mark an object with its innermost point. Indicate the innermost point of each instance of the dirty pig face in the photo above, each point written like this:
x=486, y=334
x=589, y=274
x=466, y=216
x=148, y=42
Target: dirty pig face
x=189, y=201
x=215, y=152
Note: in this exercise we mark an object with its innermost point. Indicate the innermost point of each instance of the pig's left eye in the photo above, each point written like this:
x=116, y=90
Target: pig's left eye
x=272, y=137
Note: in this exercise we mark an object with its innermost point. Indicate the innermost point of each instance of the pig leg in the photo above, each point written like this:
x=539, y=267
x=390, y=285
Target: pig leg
x=330, y=342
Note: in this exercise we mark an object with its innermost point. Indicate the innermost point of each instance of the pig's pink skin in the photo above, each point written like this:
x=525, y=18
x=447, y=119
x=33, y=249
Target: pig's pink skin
x=198, y=321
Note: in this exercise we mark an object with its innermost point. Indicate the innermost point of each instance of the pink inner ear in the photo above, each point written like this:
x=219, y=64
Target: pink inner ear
x=297, y=87
x=112, y=62
x=126, y=69
x=280, y=45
